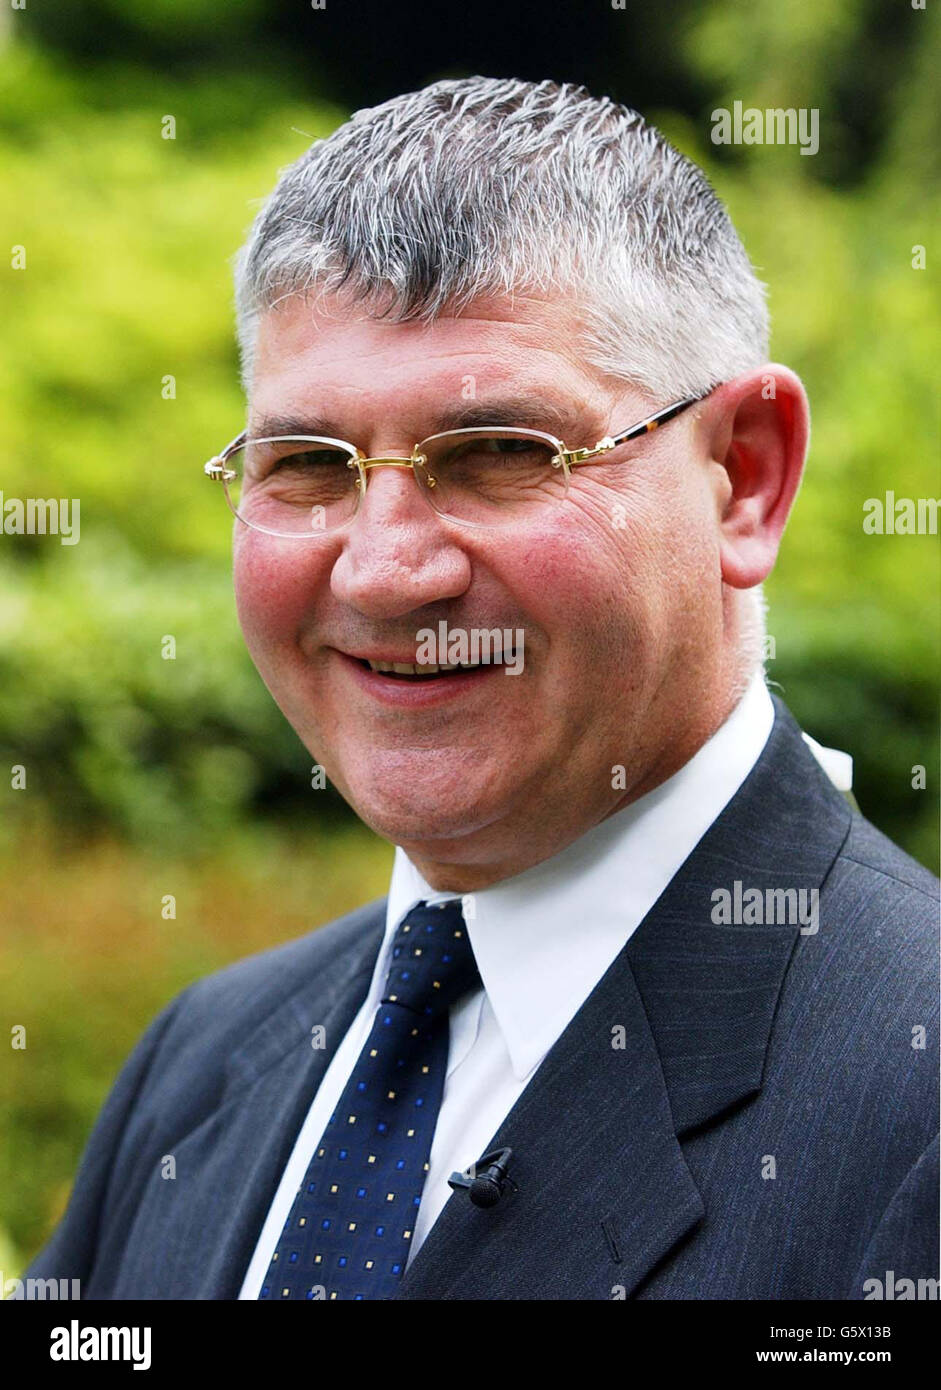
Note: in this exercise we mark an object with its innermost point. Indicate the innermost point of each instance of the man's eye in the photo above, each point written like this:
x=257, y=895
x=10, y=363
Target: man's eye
x=311, y=458
x=495, y=448
x=270, y=461
x=508, y=446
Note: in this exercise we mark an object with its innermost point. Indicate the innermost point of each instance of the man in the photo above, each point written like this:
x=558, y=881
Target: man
x=649, y=1010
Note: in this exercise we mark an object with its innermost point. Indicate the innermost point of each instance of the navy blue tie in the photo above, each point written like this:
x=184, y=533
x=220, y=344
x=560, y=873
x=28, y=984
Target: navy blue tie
x=348, y=1232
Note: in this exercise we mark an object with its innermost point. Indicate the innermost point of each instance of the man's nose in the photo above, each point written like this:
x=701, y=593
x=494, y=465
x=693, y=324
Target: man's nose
x=398, y=554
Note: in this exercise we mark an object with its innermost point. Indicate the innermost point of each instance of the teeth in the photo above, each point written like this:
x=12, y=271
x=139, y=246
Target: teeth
x=406, y=668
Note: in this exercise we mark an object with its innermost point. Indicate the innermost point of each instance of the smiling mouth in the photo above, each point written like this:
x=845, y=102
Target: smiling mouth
x=416, y=671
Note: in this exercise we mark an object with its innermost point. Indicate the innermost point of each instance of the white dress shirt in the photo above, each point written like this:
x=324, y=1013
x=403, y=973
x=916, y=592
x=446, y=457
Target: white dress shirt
x=542, y=941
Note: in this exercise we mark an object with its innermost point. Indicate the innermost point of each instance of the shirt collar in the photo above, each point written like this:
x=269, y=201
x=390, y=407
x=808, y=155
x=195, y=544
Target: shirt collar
x=544, y=938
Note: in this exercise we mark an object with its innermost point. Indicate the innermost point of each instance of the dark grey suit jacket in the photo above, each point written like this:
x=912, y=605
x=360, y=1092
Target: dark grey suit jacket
x=766, y=1131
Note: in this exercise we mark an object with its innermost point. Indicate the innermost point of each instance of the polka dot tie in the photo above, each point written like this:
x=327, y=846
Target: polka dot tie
x=348, y=1232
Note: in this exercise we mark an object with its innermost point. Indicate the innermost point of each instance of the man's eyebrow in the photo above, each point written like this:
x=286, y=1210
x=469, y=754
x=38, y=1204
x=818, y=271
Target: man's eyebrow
x=270, y=426
x=524, y=410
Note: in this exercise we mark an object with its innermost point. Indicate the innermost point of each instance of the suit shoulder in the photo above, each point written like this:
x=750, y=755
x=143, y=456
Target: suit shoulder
x=868, y=848
x=878, y=928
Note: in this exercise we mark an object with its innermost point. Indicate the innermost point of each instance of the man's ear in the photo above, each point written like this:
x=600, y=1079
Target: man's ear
x=758, y=430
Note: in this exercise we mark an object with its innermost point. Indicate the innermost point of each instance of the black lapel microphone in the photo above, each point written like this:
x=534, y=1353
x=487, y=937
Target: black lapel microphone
x=487, y=1179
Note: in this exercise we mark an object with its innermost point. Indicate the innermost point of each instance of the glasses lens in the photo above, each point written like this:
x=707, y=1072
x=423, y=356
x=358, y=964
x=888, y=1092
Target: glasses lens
x=489, y=476
x=292, y=486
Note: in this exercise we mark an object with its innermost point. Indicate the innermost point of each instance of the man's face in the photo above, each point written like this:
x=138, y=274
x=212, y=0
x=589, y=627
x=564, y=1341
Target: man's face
x=617, y=590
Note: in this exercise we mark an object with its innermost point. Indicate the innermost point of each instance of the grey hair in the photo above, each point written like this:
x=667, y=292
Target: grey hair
x=485, y=187
x=753, y=632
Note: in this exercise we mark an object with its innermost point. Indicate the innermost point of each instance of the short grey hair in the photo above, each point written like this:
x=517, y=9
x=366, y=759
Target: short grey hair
x=493, y=186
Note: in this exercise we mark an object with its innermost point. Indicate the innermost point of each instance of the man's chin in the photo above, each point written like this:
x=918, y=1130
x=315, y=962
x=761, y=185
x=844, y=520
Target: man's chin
x=412, y=818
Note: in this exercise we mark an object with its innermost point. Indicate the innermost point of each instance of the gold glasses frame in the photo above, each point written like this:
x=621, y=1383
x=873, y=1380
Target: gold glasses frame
x=217, y=469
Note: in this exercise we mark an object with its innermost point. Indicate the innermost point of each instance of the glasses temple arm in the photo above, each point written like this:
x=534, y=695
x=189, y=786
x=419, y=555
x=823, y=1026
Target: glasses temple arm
x=654, y=421
x=239, y=439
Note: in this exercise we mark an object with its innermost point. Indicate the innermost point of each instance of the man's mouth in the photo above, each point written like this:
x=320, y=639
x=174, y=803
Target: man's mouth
x=417, y=671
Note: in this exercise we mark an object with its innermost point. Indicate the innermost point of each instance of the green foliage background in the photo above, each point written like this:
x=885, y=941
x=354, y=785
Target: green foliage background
x=128, y=239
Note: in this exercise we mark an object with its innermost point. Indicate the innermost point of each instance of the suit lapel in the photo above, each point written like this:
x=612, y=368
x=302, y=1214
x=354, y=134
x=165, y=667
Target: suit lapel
x=604, y=1189
x=711, y=988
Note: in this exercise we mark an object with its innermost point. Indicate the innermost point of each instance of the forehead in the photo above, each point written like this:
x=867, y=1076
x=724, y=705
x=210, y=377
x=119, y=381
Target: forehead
x=315, y=357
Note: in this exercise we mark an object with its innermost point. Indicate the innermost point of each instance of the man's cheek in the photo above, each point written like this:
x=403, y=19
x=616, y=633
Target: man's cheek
x=255, y=615
x=268, y=597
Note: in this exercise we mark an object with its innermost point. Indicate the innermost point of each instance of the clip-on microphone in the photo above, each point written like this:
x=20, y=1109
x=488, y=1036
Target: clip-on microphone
x=487, y=1187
